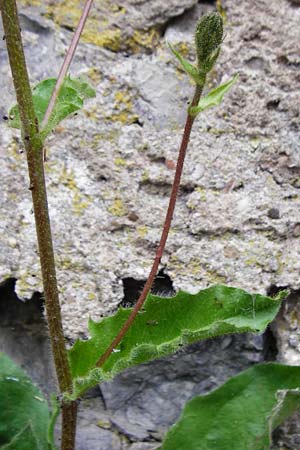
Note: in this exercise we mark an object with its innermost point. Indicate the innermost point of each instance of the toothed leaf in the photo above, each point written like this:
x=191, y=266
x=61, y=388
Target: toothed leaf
x=163, y=326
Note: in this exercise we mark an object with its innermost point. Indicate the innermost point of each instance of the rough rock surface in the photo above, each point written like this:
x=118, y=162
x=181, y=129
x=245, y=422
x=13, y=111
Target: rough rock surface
x=237, y=219
x=110, y=170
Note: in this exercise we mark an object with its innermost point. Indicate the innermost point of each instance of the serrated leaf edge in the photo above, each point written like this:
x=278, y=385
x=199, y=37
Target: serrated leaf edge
x=97, y=375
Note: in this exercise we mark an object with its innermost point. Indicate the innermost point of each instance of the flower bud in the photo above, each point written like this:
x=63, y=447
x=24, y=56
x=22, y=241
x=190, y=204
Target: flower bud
x=208, y=38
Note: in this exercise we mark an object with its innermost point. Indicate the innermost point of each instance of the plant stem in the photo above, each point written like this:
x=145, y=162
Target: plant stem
x=34, y=151
x=165, y=232
x=67, y=61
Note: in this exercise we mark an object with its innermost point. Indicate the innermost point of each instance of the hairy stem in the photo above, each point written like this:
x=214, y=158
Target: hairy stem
x=165, y=232
x=34, y=151
x=67, y=61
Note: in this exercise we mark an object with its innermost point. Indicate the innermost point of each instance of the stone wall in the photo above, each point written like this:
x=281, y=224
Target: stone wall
x=109, y=173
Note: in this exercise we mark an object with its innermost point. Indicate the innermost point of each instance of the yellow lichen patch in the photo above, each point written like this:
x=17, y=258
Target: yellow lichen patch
x=125, y=117
x=143, y=39
x=67, y=179
x=221, y=10
x=109, y=39
x=111, y=135
x=195, y=267
x=186, y=49
x=142, y=230
x=63, y=262
x=80, y=203
x=65, y=13
x=202, y=192
x=145, y=176
x=30, y=2
x=13, y=149
x=120, y=162
x=124, y=98
x=124, y=107
x=252, y=261
x=99, y=30
x=66, y=263
x=118, y=208
x=215, y=278
x=104, y=25
x=92, y=296
x=95, y=75
x=103, y=424
x=91, y=113
x=118, y=10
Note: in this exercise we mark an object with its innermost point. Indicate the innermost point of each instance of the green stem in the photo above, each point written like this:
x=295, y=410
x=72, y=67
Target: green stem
x=166, y=228
x=34, y=151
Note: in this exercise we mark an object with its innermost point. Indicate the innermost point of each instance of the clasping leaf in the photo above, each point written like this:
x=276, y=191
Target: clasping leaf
x=214, y=97
x=189, y=68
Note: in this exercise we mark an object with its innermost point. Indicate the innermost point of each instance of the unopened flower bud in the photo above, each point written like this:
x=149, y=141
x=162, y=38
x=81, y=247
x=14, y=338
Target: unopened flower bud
x=208, y=38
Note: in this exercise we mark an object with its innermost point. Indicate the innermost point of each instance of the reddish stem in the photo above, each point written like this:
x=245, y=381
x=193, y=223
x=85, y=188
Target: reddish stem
x=67, y=61
x=164, y=235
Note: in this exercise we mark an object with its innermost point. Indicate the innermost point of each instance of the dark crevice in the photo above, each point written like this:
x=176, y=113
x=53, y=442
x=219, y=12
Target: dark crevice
x=221, y=231
x=287, y=434
x=138, y=122
x=158, y=159
x=283, y=59
x=24, y=335
x=155, y=187
x=270, y=349
x=13, y=310
x=187, y=188
x=163, y=187
x=162, y=286
x=273, y=104
x=132, y=289
x=274, y=290
x=102, y=397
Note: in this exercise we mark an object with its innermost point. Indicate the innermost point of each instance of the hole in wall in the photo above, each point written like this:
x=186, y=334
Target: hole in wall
x=270, y=349
x=162, y=285
x=13, y=310
x=270, y=342
x=132, y=289
x=24, y=335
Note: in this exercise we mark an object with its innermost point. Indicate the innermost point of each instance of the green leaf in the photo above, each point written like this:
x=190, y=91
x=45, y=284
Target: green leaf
x=189, y=68
x=240, y=414
x=55, y=411
x=25, y=439
x=81, y=86
x=70, y=99
x=214, y=97
x=24, y=415
x=163, y=326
